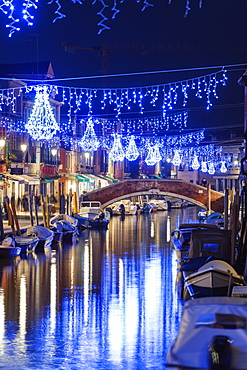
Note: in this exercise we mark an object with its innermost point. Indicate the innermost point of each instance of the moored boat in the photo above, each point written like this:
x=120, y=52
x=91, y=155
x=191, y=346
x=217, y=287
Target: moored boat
x=45, y=237
x=182, y=235
x=9, y=249
x=214, y=278
x=67, y=225
x=27, y=243
x=212, y=335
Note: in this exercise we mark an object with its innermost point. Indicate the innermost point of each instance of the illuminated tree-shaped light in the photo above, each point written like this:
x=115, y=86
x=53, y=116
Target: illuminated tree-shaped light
x=132, y=153
x=204, y=167
x=42, y=124
x=223, y=168
x=195, y=163
x=211, y=168
x=117, y=153
x=89, y=141
x=176, y=159
x=153, y=156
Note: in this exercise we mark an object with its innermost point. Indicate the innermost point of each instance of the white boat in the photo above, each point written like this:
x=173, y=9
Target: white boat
x=214, y=278
x=129, y=208
x=8, y=248
x=66, y=224
x=43, y=234
x=89, y=209
x=212, y=335
x=160, y=203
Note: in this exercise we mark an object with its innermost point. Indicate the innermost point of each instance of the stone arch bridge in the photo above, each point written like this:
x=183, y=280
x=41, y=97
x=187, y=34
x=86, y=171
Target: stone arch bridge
x=188, y=191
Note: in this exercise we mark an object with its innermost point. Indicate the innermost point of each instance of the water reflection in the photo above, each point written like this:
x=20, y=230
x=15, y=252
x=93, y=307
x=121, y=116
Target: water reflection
x=109, y=301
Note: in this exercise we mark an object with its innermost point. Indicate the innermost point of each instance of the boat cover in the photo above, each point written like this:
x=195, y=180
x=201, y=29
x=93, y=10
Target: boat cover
x=40, y=231
x=64, y=217
x=8, y=242
x=197, y=328
x=210, y=242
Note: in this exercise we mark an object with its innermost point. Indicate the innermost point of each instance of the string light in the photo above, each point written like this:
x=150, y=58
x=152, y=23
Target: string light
x=176, y=159
x=204, y=167
x=42, y=124
x=117, y=153
x=211, y=168
x=89, y=141
x=131, y=152
x=223, y=168
x=120, y=100
x=195, y=164
x=153, y=156
x=107, y=10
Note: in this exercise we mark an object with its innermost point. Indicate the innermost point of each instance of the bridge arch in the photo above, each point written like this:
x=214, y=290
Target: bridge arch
x=185, y=190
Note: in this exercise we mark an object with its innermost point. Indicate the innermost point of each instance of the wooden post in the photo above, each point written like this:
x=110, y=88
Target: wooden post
x=208, y=199
x=36, y=212
x=75, y=203
x=67, y=204
x=226, y=200
x=47, y=211
x=43, y=210
x=31, y=210
x=15, y=217
x=1, y=225
x=10, y=218
x=235, y=216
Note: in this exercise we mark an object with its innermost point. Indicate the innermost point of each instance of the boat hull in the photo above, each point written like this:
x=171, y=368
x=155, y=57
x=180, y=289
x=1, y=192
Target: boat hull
x=212, y=281
x=9, y=252
x=27, y=244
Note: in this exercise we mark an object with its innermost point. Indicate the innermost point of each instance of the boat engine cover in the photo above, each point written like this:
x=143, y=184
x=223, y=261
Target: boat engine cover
x=219, y=353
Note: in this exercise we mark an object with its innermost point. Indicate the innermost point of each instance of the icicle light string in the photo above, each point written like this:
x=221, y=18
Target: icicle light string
x=27, y=11
x=122, y=100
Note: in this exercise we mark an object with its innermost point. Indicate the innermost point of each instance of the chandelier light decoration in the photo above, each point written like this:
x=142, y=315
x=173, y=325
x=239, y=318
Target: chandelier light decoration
x=153, y=156
x=131, y=152
x=223, y=167
x=204, y=167
x=176, y=159
x=25, y=10
x=117, y=152
x=42, y=124
x=89, y=141
x=195, y=164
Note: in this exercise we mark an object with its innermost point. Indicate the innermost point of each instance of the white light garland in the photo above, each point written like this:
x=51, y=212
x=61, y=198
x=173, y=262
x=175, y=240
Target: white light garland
x=195, y=164
x=89, y=141
x=153, y=156
x=117, y=153
x=121, y=100
x=131, y=152
x=223, y=167
x=204, y=167
x=211, y=168
x=176, y=159
x=42, y=124
x=108, y=8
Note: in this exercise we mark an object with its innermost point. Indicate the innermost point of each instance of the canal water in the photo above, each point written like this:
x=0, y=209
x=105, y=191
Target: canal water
x=107, y=302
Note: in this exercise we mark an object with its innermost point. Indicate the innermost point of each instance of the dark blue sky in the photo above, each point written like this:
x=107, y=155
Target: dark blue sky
x=160, y=38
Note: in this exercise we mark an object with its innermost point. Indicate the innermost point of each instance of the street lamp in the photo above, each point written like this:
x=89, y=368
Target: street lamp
x=2, y=145
x=54, y=152
x=23, y=149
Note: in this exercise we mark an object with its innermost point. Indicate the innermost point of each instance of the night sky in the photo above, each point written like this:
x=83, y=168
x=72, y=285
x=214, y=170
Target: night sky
x=157, y=39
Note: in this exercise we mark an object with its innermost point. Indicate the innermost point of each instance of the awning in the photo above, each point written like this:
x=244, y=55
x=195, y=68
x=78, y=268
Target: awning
x=111, y=178
x=47, y=181
x=32, y=180
x=10, y=177
x=82, y=178
x=90, y=177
